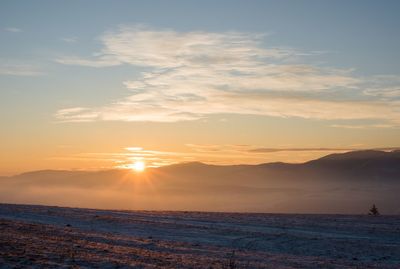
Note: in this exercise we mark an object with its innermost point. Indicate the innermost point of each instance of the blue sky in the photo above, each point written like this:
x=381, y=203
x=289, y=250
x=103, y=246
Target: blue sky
x=287, y=65
x=360, y=34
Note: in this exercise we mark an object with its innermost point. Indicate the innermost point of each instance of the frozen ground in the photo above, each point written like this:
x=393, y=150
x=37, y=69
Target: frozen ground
x=52, y=237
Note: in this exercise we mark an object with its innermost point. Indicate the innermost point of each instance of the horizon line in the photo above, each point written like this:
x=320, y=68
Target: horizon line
x=385, y=149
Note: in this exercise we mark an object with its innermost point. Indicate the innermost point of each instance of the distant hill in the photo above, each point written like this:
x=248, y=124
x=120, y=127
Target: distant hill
x=337, y=183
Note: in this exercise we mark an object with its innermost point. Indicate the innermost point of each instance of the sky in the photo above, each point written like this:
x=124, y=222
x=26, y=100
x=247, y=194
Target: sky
x=94, y=85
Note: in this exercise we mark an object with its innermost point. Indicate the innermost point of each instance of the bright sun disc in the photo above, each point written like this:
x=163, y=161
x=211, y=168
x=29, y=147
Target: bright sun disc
x=138, y=166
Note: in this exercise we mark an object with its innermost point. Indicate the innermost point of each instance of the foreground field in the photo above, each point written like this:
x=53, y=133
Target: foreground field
x=52, y=237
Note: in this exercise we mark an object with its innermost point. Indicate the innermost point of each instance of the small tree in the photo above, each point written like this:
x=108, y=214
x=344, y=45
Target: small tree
x=373, y=211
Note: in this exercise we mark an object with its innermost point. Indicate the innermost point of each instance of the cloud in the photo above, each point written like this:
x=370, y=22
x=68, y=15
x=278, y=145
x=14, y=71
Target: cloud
x=250, y=149
x=70, y=39
x=384, y=87
x=19, y=70
x=363, y=126
x=272, y=150
x=80, y=114
x=13, y=29
x=210, y=148
x=103, y=62
x=153, y=158
x=195, y=74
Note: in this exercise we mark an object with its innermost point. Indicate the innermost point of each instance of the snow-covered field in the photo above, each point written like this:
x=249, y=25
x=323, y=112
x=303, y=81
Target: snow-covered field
x=53, y=237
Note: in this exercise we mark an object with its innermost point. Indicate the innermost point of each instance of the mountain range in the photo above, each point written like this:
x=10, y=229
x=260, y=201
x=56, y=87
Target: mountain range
x=338, y=183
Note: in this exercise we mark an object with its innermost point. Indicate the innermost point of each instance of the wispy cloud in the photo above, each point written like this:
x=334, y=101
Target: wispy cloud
x=80, y=114
x=364, y=126
x=70, y=39
x=383, y=87
x=272, y=150
x=195, y=74
x=20, y=70
x=251, y=149
x=210, y=148
x=12, y=29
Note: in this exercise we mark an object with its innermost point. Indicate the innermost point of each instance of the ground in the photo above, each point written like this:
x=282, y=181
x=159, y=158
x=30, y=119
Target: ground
x=54, y=237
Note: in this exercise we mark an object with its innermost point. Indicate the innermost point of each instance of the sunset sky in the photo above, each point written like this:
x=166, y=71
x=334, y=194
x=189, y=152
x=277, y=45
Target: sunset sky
x=102, y=84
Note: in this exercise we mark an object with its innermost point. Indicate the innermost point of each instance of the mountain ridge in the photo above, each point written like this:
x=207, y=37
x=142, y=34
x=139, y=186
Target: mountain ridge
x=350, y=155
x=345, y=183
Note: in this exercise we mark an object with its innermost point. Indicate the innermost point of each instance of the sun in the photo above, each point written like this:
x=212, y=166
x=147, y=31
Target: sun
x=138, y=166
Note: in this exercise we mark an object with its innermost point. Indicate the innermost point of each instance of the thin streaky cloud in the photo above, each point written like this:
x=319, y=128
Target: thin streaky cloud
x=271, y=150
x=209, y=148
x=13, y=29
x=70, y=39
x=20, y=70
x=363, y=126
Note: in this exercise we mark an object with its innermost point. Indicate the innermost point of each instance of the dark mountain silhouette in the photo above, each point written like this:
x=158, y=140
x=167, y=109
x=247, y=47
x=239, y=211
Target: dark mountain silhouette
x=337, y=183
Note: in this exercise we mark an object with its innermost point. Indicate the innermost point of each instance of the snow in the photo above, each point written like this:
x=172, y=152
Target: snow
x=42, y=236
